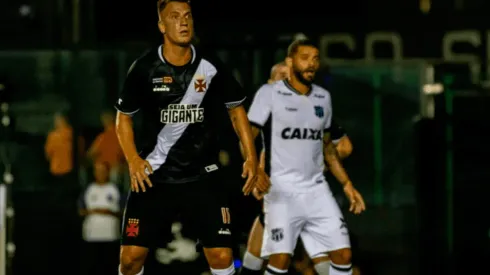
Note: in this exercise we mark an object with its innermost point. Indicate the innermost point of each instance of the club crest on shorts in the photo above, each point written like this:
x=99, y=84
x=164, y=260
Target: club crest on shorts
x=200, y=84
x=319, y=112
x=277, y=234
x=133, y=228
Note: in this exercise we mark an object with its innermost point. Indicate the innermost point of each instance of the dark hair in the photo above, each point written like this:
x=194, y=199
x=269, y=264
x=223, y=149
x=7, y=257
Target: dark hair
x=293, y=48
x=161, y=4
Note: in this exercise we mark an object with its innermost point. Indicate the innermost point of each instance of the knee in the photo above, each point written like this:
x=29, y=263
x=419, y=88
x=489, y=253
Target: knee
x=219, y=258
x=132, y=259
x=341, y=256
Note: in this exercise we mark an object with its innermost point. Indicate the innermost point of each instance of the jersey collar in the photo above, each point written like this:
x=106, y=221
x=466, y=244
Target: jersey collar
x=160, y=54
x=286, y=83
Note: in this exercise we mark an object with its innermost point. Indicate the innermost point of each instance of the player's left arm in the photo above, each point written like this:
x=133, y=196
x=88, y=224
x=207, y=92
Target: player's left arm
x=344, y=147
x=332, y=158
x=340, y=139
x=334, y=163
x=233, y=97
x=242, y=127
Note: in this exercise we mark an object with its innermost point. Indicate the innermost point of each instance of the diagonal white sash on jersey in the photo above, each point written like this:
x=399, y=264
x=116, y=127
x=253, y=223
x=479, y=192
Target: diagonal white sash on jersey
x=170, y=133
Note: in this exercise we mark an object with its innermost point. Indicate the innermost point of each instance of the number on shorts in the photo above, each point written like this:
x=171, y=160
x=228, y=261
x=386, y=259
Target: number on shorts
x=225, y=214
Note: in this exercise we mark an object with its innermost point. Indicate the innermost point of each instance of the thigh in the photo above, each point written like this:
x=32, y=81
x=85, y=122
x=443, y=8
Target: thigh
x=325, y=229
x=208, y=209
x=144, y=218
x=282, y=225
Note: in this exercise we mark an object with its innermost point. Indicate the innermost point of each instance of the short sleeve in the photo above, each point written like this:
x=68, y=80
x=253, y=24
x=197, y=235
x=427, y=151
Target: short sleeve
x=260, y=110
x=336, y=132
x=129, y=101
x=328, y=115
x=232, y=93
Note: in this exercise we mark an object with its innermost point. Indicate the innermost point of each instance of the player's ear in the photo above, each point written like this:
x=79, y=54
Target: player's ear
x=161, y=26
x=289, y=62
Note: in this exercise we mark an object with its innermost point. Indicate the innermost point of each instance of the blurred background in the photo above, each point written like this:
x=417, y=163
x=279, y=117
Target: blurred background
x=410, y=84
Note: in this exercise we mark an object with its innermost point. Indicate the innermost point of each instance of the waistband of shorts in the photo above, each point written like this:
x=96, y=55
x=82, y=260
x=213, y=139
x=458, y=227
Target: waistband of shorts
x=290, y=189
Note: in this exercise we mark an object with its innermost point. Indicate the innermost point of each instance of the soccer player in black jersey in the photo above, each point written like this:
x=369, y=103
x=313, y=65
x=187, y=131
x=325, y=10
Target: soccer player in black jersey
x=252, y=262
x=182, y=95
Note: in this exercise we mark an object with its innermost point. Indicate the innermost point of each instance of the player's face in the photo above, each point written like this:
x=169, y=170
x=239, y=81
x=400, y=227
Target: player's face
x=305, y=64
x=177, y=23
x=280, y=72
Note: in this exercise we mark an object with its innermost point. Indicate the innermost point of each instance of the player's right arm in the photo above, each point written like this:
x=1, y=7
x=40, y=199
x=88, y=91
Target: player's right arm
x=127, y=105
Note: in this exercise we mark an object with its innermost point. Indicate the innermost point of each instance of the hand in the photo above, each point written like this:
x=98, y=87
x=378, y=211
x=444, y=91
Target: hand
x=139, y=169
x=257, y=194
x=357, y=204
x=262, y=182
x=250, y=173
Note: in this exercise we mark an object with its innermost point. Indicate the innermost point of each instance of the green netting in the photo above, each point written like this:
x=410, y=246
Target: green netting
x=378, y=104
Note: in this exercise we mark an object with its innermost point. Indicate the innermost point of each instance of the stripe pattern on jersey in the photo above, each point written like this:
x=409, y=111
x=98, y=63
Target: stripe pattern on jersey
x=170, y=133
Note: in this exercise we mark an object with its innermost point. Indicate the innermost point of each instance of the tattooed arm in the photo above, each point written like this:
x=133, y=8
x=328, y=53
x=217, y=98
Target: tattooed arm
x=357, y=204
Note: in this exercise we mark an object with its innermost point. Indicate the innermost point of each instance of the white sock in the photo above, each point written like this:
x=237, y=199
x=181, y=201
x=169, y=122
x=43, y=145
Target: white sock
x=274, y=271
x=251, y=262
x=139, y=273
x=337, y=269
x=227, y=271
x=323, y=268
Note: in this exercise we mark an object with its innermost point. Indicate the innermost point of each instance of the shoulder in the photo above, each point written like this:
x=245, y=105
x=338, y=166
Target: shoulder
x=89, y=188
x=321, y=95
x=320, y=92
x=267, y=90
x=145, y=60
x=211, y=59
x=113, y=187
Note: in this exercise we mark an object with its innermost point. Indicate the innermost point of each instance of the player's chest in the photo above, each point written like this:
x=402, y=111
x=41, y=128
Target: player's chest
x=299, y=111
x=171, y=85
x=99, y=198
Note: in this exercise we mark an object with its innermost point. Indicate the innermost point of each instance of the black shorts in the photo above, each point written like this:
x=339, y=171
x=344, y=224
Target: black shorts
x=202, y=205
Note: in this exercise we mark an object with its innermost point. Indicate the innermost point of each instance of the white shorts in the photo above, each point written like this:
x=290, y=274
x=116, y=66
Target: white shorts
x=315, y=217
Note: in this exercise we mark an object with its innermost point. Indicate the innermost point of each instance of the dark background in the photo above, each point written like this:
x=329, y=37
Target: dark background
x=425, y=177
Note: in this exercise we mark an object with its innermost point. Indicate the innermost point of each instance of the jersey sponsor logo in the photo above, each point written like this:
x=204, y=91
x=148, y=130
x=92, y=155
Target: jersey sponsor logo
x=301, y=133
x=161, y=88
x=168, y=79
x=319, y=112
x=319, y=96
x=225, y=231
x=182, y=113
x=277, y=234
x=200, y=84
x=211, y=168
x=165, y=80
x=132, y=228
x=284, y=93
x=289, y=109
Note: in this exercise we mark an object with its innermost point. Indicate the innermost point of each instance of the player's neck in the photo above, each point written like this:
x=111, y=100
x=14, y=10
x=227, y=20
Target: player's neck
x=299, y=86
x=177, y=55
